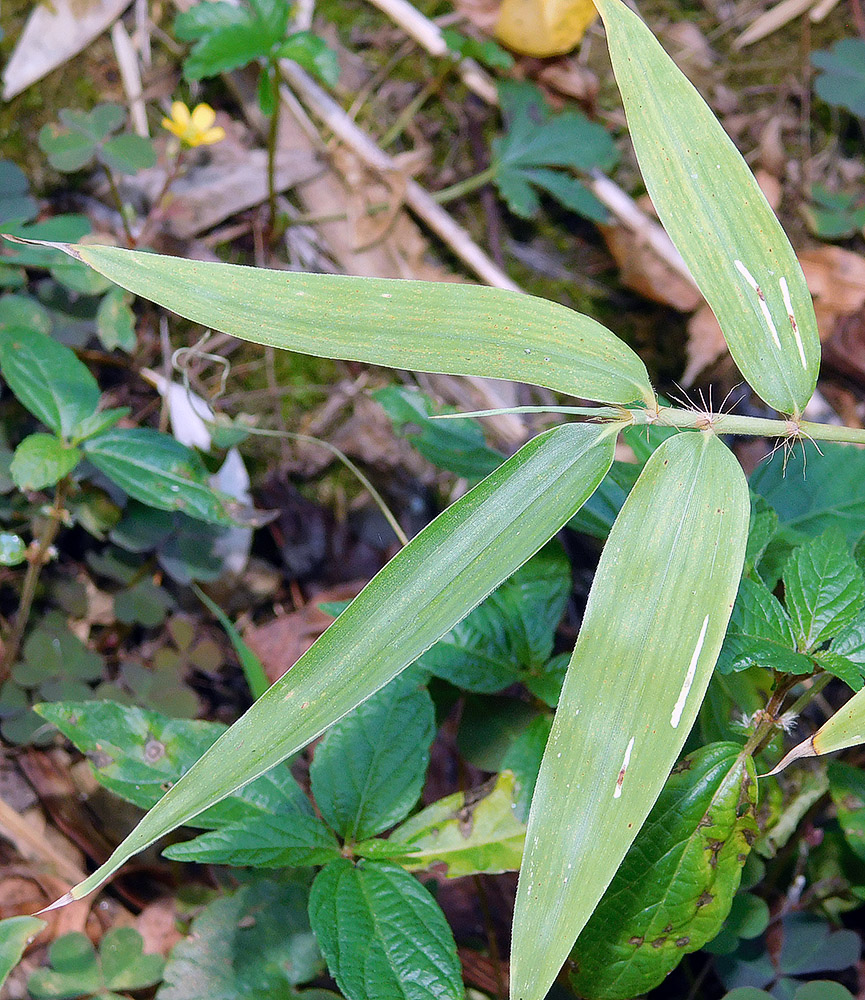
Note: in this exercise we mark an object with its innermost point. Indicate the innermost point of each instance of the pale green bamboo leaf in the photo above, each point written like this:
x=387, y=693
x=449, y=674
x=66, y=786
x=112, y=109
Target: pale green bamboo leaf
x=430, y=585
x=653, y=627
x=846, y=728
x=715, y=213
x=423, y=325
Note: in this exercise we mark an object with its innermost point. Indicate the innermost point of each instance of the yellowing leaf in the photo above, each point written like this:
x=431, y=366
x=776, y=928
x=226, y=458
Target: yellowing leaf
x=544, y=27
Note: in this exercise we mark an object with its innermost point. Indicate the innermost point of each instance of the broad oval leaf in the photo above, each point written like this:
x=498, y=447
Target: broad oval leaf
x=42, y=460
x=655, y=620
x=48, y=379
x=677, y=882
x=426, y=588
x=157, y=470
x=426, y=326
x=382, y=934
x=717, y=216
x=369, y=769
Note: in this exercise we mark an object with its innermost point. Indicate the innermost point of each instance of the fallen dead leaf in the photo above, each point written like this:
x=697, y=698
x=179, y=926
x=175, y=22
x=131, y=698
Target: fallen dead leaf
x=158, y=925
x=705, y=344
x=643, y=271
x=53, y=34
x=836, y=278
x=280, y=643
x=844, y=350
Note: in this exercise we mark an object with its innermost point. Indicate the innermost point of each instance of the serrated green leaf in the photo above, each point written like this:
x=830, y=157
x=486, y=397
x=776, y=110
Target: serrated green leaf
x=284, y=840
x=715, y=213
x=42, y=460
x=677, y=882
x=48, y=379
x=255, y=944
x=831, y=495
x=841, y=668
x=760, y=634
x=467, y=833
x=667, y=578
x=138, y=754
x=382, y=934
x=536, y=140
x=15, y=934
x=427, y=326
x=449, y=566
x=369, y=769
x=313, y=54
x=823, y=588
x=157, y=470
x=511, y=633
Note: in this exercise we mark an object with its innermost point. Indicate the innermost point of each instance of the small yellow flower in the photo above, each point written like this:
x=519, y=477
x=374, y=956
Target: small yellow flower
x=194, y=128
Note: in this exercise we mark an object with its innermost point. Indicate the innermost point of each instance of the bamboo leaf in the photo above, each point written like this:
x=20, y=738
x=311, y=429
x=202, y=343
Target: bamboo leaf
x=845, y=729
x=667, y=579
x=678, y=880
x=429, y=586
x=715, y=213
x=426, y=326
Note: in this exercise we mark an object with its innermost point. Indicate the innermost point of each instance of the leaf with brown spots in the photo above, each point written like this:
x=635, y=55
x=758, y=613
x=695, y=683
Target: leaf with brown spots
x=677, y=882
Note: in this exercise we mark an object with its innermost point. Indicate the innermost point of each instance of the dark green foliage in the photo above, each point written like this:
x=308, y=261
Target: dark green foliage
x=677, y=882
x=55, y=664
x=539, y=151
x=805, y=946
x=139, y=754
x=382, y=934
x=228, y=36
x=822, y=624
x=509, y=637
x=369, y=769
x=78, y=971
x=455, y=445
x=254, y=944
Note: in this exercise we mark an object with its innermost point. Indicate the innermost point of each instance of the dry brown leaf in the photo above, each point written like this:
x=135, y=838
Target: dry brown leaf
x=570, y=78
x=836, y=278
x=770, y=186
x=53, y=34
x=705, y=344
x=644, y=271
x=158, y=925
x=280, y=643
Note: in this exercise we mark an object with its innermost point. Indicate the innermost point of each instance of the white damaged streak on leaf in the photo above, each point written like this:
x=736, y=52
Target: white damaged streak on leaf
x=675, y=718
x=761, y=299
x=788, y=305
x=623, y=770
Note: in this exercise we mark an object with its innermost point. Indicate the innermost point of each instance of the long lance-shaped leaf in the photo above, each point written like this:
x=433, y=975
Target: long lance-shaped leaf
x=715, y=213
x=653, y=627
x=846, y=728
x=429, y=586
x=423, y=325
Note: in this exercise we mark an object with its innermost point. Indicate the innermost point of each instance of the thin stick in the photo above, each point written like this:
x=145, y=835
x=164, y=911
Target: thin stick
x=36, y=560
x=417, y=198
